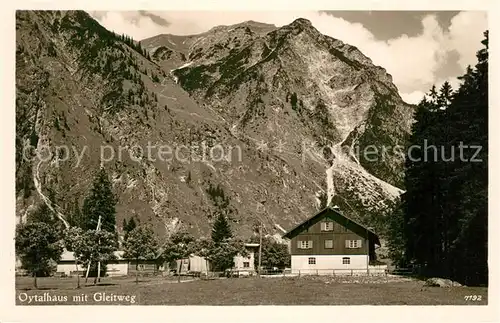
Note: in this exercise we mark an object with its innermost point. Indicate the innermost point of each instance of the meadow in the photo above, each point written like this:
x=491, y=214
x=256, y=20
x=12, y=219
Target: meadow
x=305, y=290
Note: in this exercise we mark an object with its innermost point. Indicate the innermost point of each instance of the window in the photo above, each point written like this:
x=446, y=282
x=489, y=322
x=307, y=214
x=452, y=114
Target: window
x=246, y=264
x=312, y=261
x=327, y=226
x=328, y=244
x=353, y=244
x=304, y=244
x=346, y=261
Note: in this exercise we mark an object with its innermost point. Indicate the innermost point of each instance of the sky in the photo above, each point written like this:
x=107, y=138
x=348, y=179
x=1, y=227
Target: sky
x=418, y=48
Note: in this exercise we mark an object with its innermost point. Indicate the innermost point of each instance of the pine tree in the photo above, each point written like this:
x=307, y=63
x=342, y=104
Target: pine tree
x=468, y=180
x=100, y=202
x=131, y=224
x=42, y=214
x=293, y=101
x=128, y=226
x=421, y=206
x=221, y=230
x=396, y=237
x=433, y=95
x=445, y=206
x=445, y=95
x=75, y=217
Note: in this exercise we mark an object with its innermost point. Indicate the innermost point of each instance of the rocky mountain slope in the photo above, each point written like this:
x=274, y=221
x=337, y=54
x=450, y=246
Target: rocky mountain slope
x=287, y=107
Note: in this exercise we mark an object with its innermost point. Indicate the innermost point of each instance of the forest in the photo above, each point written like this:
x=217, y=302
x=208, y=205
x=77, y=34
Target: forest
x=441, y=224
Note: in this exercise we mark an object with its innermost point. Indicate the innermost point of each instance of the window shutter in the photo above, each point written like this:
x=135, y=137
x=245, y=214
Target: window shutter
x=359, y=243
x=347, y=243
x=323, y=226
x=298, y=244
x=310, y=244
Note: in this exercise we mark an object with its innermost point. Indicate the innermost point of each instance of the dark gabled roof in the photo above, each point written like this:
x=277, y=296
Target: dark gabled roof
x=301, y=226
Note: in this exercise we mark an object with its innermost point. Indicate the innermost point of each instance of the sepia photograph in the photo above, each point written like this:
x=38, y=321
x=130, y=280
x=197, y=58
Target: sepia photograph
x=243, y=158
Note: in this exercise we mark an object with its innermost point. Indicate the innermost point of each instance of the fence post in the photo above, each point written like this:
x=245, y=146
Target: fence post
x=317, y=272
x=351, y=272
x=299, y=272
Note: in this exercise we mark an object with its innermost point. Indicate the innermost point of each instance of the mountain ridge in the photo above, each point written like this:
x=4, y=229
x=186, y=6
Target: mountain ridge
x=316, y=93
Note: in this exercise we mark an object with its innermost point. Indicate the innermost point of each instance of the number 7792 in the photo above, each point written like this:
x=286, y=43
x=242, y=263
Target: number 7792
x=474, y=298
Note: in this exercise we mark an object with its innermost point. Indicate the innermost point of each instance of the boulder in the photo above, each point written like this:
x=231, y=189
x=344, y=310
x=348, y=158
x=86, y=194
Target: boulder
x=441, y=282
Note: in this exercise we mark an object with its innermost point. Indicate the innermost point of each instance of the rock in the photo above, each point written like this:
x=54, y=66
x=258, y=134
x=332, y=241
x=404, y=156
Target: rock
x=290, y=90
x=441, y=282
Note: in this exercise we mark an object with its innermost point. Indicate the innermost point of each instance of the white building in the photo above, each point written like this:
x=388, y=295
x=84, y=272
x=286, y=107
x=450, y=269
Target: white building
x=243, y=265
x=329, y=243
x=66, y=265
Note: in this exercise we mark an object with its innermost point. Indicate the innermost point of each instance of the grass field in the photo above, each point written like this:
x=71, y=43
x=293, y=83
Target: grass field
x=246, y=291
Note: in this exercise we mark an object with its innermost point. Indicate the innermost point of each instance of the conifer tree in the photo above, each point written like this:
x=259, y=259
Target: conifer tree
x=221, y=230
x=445, y=95
x=100, y=202
x=42, y=214
x=445, y=207
x=433, y=94
x=131, y=224
x=75, y=217
x=128, y=226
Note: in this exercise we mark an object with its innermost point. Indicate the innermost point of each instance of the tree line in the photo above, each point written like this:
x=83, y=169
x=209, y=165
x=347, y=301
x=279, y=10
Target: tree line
x=41, y=240
x=135, y=45
x=441, y=224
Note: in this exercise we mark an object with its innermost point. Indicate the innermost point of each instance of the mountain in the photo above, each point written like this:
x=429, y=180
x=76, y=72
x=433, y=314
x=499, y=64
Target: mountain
x=287, y=107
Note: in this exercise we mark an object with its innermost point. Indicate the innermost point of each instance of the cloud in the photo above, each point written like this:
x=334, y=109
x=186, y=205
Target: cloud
x=412, y=61
x=414, y=97
x=465, y=31
x=154, y=18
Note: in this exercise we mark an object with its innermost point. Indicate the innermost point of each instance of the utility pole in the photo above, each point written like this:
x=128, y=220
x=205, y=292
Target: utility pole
x=367, y=241
x=260, y=247
x=98, y=278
